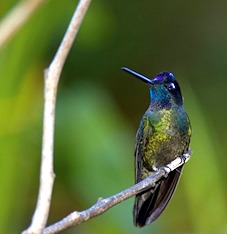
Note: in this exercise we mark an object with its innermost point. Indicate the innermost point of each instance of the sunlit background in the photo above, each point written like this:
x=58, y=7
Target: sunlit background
x=99, y=108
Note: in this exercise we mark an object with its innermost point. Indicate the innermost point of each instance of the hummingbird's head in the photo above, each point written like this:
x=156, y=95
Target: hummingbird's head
x=169, y=85
x=163, y=87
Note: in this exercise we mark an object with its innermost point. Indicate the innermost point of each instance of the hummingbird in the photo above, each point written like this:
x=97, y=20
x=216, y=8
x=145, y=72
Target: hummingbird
x=163, y=135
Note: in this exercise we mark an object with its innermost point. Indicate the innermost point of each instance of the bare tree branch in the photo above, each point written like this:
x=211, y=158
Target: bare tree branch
x=52, y=75
x=104, y=204
x=16, y=18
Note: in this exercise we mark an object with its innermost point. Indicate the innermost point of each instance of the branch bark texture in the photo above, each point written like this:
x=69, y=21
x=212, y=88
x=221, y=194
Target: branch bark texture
x=103, y=205
x=52, y=76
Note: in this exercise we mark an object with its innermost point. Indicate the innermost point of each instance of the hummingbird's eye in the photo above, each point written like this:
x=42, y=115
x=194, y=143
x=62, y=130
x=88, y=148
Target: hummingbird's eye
x=171, y=86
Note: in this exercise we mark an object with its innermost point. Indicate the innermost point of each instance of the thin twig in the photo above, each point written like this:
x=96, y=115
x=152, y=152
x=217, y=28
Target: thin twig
x=52, y=76
x=103, y=205
x=16, y=18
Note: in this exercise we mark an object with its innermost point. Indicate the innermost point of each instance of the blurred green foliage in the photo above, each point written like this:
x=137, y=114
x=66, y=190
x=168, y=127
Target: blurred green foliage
x=99, y=109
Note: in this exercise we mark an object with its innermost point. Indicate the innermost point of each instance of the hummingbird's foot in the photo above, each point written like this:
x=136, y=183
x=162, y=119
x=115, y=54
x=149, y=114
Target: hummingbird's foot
x=154, y=167
x=186, y=156
x=167, y=170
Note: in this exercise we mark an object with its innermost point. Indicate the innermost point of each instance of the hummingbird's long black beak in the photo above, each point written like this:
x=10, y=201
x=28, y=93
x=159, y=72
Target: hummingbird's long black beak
x=140, y=76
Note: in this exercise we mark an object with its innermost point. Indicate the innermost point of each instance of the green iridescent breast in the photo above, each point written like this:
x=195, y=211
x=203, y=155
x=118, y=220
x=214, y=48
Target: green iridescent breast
x=162, y=136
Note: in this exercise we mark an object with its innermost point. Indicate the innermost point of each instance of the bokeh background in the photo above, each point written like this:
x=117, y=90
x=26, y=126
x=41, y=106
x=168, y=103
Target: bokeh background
x=99, y=108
